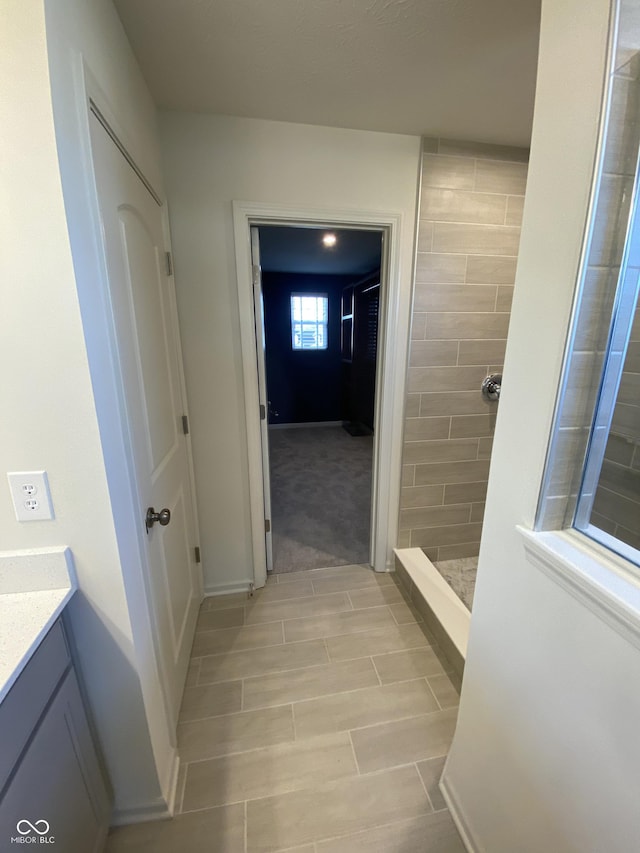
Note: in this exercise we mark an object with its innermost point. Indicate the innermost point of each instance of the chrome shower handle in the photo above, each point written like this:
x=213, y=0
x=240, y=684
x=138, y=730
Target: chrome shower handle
x=491, y=386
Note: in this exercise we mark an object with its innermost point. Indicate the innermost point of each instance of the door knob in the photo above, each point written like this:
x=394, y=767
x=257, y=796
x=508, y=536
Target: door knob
x=163, y=517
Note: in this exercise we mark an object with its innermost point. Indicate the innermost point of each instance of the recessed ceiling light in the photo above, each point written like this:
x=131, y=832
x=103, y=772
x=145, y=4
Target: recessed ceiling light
x=329, y=240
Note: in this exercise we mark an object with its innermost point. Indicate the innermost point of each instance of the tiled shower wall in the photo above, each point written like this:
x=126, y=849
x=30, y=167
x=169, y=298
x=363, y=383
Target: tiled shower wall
x=616, y=507
x=469, y=231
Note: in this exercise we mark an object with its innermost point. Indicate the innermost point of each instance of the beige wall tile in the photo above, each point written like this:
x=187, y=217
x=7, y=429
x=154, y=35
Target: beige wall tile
x=427, y=379
x=314, y=627
x=443, y=171
x=403, y=539
x=475, y=239
x=415, y=496
x=280, y=688
x=481, y=352
x=211, y=700
x=455, y=297
x=276, y=610
x=229, y=667
x=335, y=809
x=490, y=270
x=448, y=205
x=376, y=641
x=465, y=326
x=418, y=326
x=477, y=513
x=515, y=206
x=403, y=666
x=505, y=298
x=237, y=639
x=403, y=741
x=268, y=772
x=417, y=452
x=425, y=235
x=484, y=446
x=363, y=708
x=430, y=144
x=193, y=671
x=434, y=833
x=412, y=406
x=501, y=177
x=483, y=150
x=473, y=426
x=216, y=736
x=408, y=474
x=188, y=832
x=429, y=537
x=440, y=268
x=405, y=613
x=433, y=353
x=434, y=516
x=457, y=552
x=465, y=492
x=416, y=429
x=436, y=404
x=451, y=472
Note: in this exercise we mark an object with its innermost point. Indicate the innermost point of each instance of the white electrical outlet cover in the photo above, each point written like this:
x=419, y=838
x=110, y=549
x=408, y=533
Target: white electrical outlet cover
x=31, y=496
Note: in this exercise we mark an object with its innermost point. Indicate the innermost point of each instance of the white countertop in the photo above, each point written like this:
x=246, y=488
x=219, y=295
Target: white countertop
x=35, y=587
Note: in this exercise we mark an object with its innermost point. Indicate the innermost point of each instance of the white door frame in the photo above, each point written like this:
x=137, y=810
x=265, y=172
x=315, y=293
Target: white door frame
x=390, y=372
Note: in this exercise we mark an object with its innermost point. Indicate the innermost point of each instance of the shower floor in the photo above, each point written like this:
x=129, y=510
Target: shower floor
x=461, y=577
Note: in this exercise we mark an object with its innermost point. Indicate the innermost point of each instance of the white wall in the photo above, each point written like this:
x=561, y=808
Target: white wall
x=546, y=756
x=209, y=161
x=49, y=410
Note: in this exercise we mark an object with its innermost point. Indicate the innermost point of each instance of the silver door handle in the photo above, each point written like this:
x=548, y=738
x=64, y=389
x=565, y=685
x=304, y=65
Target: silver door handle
x=163, y=518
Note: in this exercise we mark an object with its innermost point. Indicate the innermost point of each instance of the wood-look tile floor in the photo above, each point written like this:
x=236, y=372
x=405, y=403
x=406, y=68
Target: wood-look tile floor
x=316, y=719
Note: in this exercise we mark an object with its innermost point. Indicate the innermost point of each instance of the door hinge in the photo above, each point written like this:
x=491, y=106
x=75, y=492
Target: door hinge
x=197, y=550
x=263, y=412
x=169, y=263
x=185, y=425
x=267, y=525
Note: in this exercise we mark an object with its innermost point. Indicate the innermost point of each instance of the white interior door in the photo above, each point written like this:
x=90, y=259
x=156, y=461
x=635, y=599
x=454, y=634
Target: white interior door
x=144, y=312
x=258, y=303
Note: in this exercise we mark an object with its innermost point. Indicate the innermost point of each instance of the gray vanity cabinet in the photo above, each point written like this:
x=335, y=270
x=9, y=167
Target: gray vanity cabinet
x=51, y=785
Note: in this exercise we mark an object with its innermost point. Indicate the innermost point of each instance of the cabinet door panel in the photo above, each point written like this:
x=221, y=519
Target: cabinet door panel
x=58, y=781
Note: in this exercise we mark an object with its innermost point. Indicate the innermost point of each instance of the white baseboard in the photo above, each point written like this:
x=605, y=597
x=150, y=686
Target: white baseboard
x=307, y=425
x=457, y=814
x=227, y=588
x=156, y=810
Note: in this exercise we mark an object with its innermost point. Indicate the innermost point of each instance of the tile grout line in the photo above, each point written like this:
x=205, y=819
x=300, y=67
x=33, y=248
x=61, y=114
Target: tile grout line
x=429, y=800
x=353, y=751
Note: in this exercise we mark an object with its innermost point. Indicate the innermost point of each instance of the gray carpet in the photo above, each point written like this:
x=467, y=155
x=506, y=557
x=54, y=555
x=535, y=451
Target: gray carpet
x=320, y=497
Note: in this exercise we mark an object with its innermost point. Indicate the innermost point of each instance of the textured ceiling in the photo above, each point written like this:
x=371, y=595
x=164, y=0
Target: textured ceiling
x=461, y=69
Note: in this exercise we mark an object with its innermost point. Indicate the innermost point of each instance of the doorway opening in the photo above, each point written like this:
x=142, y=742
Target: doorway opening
x=319, y=307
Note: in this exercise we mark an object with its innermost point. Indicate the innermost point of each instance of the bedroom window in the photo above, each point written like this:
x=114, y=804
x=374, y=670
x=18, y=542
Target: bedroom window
x=309, y=319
